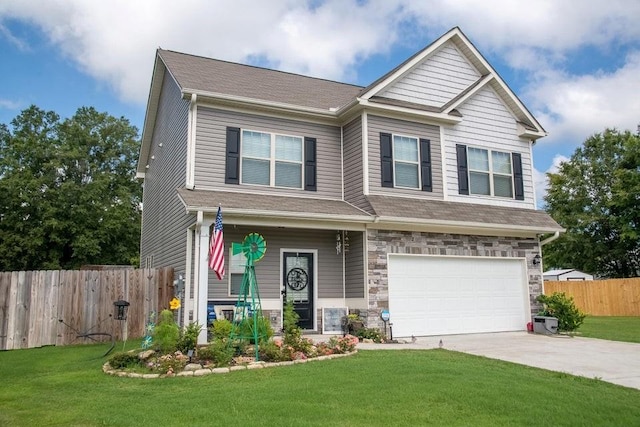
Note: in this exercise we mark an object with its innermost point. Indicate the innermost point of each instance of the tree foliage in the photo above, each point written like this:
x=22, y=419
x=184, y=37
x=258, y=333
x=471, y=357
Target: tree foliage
x=596, y=197
x=68, y=192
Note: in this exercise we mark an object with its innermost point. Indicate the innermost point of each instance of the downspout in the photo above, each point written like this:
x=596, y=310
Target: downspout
x=196, y=267
x=550, y=239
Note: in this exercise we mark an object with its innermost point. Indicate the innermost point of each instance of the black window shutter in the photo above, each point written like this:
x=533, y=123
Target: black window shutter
x=386, y=160
x=518, y=180
x=463, y=175
x=310, y=164
x=232, y=172
x=425, y=164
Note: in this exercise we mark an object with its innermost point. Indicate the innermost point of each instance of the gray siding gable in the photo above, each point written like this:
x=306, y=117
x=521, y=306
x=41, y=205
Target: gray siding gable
x=164, y=221
x=438, y=79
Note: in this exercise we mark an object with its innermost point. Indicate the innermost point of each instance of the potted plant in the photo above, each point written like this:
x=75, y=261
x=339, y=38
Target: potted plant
x=351, y=324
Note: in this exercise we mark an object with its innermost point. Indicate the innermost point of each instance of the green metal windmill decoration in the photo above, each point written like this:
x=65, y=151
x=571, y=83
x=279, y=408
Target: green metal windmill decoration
x=248, y=312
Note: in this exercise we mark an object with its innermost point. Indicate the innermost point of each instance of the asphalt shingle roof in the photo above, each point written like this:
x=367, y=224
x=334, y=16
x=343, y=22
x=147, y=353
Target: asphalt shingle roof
x=228, y=78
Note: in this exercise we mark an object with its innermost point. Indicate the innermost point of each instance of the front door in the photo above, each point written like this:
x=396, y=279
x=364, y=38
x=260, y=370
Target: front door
x=298, y=285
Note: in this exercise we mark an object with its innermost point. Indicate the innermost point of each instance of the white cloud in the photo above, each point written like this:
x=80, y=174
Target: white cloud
x=9, y=104
x=575, y=107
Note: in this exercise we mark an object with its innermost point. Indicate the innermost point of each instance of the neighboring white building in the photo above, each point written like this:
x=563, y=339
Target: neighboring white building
x=567, y=274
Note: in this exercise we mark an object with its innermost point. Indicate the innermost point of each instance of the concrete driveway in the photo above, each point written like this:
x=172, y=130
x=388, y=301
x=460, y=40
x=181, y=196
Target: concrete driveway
x=611, y=361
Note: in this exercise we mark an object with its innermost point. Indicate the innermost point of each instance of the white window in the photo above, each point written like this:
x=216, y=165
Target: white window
x=490, y=172
x=271, y=160
x=406, y=162
x=236, y=272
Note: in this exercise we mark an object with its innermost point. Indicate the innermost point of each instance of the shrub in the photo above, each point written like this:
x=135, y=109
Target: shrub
x=189, y=337
x=166, y=333
x=371, y=333
x=270, y=351
x=344, y=344
x=290, y=329
x=124, y=360
x=265, y=331
x=221, y=329
x=563, y=308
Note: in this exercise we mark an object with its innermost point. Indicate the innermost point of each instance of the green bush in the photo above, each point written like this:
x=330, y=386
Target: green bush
x=291, y=331
x=221, y=329
x=246, y=329
x=371, y=333
x=189, y=337
x=563, y=308
x=271, y=352
x=166, y=333
x=124, y=360
x=217, y=352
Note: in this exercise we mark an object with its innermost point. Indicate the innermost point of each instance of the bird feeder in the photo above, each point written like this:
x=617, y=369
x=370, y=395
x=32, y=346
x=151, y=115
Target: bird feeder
x=121, y=309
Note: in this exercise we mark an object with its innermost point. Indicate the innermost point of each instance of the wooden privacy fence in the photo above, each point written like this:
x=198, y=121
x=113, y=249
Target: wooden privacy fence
x=39, y=308
x=613, y=297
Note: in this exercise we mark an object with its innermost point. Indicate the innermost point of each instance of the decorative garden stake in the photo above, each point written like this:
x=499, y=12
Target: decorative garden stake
x=248, y=308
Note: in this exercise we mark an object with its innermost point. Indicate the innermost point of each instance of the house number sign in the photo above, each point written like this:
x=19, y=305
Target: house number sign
x=297, y=279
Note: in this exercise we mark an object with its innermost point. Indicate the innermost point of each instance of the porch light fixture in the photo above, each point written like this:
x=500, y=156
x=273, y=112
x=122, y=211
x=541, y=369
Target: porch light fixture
x=536, y=259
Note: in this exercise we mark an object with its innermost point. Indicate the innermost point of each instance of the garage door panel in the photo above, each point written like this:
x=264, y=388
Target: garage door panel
x=430, y=295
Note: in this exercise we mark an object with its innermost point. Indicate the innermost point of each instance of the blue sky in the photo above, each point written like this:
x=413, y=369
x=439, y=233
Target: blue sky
x=575, y=64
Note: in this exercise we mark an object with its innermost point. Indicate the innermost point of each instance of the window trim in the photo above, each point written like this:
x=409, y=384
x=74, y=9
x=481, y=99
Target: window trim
x=234, y=269
x=272, y=159
x=417, y=163
x=491, y=172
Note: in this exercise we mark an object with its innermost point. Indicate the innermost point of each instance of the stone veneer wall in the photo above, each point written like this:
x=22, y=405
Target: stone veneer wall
x=382, y=242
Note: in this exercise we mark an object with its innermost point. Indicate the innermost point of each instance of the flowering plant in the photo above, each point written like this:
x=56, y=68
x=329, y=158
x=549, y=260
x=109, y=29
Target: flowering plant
x=174, y=304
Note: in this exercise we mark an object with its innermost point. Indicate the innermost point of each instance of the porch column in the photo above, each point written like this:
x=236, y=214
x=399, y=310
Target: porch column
x=202, y=288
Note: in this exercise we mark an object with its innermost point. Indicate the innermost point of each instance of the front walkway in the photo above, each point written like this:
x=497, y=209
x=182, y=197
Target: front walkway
x=611, y=361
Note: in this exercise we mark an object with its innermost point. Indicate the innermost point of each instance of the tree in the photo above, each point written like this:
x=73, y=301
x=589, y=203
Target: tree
x=596, y=197
x=68, y=192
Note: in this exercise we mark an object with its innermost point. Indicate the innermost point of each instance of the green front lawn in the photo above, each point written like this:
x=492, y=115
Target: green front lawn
x=65, y=386
x=611, y=328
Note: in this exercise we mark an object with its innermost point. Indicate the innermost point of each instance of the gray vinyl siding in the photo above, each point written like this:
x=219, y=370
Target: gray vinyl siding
x=211, y=149
x=378, y=124
x=164, y=221
x=354, y=266
x=329, y=283
x=487, y=124
x=353, y=175
x=437, y=80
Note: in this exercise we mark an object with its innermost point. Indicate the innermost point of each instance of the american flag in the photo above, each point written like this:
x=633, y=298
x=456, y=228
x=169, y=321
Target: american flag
x=216, y=247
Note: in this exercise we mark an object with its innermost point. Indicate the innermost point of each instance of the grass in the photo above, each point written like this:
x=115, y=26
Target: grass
x=64, y=386
x=611, y=328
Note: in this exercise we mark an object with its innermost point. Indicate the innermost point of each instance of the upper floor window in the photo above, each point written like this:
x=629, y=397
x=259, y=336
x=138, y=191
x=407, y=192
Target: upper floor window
x=270, y=159
x=405, y=162
x=489, y=172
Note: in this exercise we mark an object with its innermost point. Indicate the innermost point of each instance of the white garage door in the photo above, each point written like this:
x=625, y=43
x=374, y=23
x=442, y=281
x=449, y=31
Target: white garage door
x=432, y=295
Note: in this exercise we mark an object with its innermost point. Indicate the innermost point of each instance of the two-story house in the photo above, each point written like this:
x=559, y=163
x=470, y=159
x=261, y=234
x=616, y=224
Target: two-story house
x=413, y=195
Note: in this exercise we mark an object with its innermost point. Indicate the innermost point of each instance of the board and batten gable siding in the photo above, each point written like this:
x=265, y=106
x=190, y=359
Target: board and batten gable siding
x=353, y=175
x=329, y=283
x=354, y=266
x=210, y=159
x=164, y=221
x=378, y=124
x=487, y=123
x=437, y=80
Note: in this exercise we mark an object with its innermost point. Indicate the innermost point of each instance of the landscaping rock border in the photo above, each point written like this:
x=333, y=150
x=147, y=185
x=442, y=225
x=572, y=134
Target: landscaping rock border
x=196, y=370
